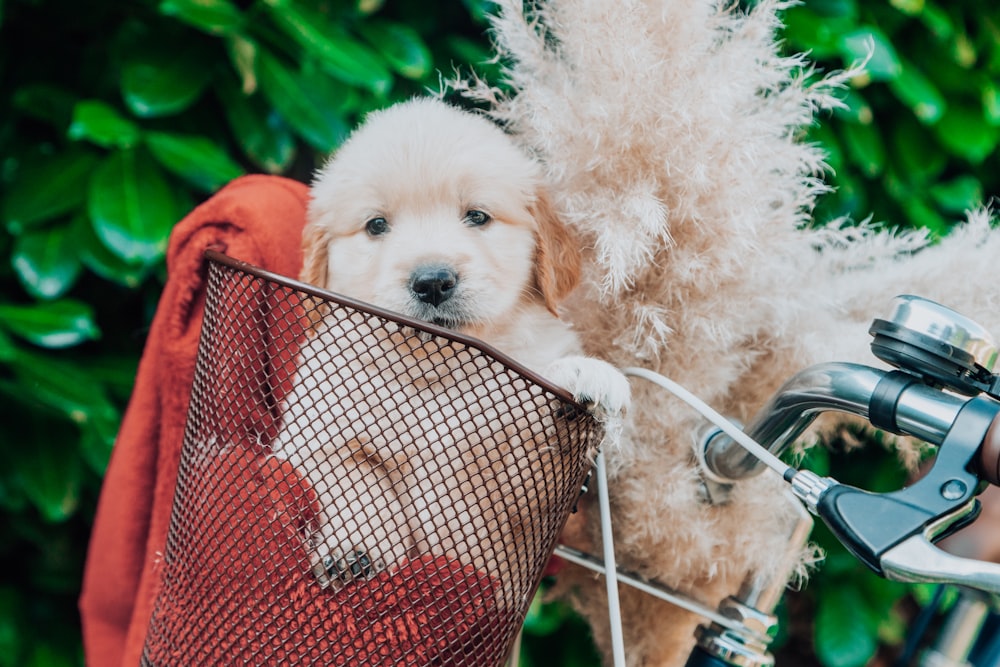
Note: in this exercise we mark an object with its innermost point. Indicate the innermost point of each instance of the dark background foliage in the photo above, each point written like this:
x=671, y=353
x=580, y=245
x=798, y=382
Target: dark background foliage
x=116, y=118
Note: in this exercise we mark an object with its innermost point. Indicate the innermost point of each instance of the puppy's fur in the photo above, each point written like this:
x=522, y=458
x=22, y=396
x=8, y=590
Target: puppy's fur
x=431, y=212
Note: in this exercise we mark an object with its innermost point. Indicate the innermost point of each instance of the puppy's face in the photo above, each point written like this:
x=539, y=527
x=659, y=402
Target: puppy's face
x=432, y=212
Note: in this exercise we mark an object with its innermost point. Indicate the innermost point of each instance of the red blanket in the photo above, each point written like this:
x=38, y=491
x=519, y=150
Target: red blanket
x=258, y=219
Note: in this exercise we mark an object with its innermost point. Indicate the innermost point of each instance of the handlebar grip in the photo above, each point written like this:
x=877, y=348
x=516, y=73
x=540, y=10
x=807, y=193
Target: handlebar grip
x=989, y=454
x=700, y=658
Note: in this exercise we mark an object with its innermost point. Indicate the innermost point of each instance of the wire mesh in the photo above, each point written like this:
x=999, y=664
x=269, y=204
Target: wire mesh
x=356, y=488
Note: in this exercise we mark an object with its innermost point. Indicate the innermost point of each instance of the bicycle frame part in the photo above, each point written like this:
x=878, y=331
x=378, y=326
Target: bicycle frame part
x=960, y=632
x=753, y=607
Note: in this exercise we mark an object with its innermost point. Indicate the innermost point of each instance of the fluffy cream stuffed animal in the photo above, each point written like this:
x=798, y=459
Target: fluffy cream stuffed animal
x=670, y=133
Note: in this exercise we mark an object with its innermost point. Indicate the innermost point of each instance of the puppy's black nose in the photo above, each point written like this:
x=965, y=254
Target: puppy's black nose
x=433, y=284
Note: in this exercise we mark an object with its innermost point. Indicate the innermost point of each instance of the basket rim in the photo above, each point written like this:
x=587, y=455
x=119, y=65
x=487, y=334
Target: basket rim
x=217, y=256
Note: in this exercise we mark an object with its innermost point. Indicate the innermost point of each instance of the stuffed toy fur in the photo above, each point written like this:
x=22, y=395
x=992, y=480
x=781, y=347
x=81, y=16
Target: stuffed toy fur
x=671, y=134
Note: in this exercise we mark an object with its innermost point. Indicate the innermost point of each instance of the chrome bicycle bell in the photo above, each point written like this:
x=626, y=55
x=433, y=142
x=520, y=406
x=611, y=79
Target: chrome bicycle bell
x=938, y=345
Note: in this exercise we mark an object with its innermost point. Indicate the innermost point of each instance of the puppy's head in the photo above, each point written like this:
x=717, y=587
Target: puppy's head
x=432, y=212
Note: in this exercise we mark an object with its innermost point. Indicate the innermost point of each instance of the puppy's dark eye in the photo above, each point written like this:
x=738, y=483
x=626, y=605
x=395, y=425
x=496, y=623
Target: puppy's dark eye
x=377, y=226
x=476, y=218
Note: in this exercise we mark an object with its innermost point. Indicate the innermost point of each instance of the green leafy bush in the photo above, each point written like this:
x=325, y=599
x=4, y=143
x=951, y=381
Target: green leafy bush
x=914, y=147
x=116, y=118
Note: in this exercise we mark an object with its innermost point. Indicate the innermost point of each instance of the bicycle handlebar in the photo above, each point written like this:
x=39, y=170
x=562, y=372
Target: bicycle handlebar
x=934, y=349
x=917, y=410
x=892, y=533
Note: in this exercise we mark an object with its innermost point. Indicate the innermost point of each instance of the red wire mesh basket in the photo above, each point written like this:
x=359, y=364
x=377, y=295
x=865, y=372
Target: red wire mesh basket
x=357, y=488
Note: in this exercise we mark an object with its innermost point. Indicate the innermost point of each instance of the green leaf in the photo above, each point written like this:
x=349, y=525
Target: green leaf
x=163, y=79
x=47, y=261
x=50, y=474
x=480, y=10
x=917, y=92
x=263, y=134
x=60, y=385
x=370, y=6
x=98, y=439
x=844, y=634
x=850, y=199
x=12, y=498
x=871, y=43
x=46, y=102
x=12, y=607
x=44, y=655
x=198, y=160
x=476, y=55
x=835, y=8
x=341, y=55
x=823, y=135
x=95, y=256
x=965, y=132
x=937, y=21
x=958, y=195
x=309, y=101
x=864, y=147
x=855, y=107
x=919, y=159
x=101, y=124
x=7, y=349
x=819, y=35
x=922, y=216
x=54, y=324
x=924, y=594
x=401, y=45
x=908, y=7
x=216, y=17
x=243, y=56
x=991, y=101
x=963, y=51
x=817, y=459
x=115, y=373
x=880, y=594
x=45, y=187
x=544, y=618
x=132, y=207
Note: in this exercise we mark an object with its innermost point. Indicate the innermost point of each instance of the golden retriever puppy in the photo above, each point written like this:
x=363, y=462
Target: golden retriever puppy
x=431, y=212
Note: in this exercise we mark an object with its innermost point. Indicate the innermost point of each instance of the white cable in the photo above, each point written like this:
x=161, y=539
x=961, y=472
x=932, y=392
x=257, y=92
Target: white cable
x=711, y=415
x=608, y=544
x=515, y=655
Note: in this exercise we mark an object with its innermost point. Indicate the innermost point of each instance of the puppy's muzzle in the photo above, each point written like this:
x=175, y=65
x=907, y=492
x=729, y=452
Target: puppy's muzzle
x=433, y=284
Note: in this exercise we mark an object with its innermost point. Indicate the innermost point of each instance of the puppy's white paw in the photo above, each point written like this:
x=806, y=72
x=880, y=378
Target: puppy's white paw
x=596, y=384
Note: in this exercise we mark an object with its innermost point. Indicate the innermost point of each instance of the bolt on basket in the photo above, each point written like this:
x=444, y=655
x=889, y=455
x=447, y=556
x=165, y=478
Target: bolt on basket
x=357, y=488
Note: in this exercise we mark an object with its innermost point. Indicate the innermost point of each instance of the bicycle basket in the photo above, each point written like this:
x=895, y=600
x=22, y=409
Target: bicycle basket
x=356, y=488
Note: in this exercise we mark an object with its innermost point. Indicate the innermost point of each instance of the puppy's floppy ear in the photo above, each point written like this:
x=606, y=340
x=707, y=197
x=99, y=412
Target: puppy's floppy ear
x=315, y=267
x=315, y=259
x=557, y=256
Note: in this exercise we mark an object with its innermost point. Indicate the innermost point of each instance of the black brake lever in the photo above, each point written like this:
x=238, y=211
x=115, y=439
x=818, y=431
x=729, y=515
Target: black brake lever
x=892, y=533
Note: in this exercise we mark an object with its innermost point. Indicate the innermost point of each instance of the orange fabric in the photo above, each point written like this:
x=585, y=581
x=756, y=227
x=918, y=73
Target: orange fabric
x=258, y=219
